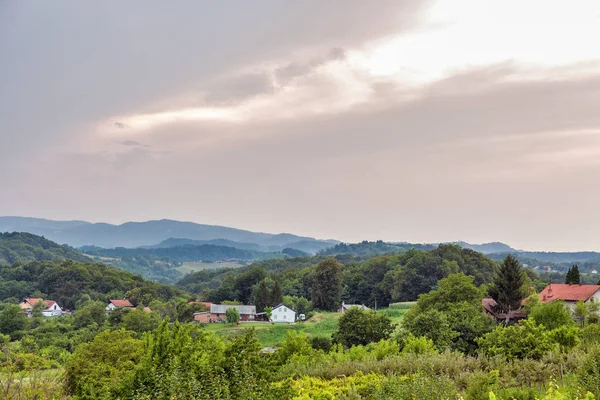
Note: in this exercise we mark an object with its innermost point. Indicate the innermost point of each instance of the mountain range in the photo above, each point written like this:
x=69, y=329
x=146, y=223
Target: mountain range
x=150, y=233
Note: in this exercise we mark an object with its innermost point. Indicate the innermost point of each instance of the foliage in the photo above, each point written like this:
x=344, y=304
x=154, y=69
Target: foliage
x=12, y=320
x=517, y=341
x=451, y=316
x=327, y=287
x=96, y=369
x=232, y=315
x=360, y=327
x=551, y=315
x=507, y=286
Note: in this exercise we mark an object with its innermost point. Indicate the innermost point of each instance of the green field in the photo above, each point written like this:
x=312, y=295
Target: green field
x=321, y=324
x=194, y=266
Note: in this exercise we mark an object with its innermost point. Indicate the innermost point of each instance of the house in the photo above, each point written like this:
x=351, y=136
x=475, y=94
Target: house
x=345, y=307
x=570, y=293
x=112, y=304
x=51, y=308
x=282, y=313
x=217, y=313
x=489, y=307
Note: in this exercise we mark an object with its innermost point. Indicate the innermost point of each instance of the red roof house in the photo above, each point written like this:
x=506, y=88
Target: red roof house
x=570, y=293
x=51, y=308
x=112, y=304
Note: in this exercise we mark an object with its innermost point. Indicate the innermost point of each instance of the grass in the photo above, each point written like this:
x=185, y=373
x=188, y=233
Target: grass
x=321, y=324
x=194, y=266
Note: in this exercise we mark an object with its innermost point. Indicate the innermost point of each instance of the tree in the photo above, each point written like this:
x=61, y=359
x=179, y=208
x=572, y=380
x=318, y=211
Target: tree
x=507, y=287
x=434, y=325
x=327, y=287
x=12, y=319
x=581, y=312
x=268, y=312
x=232, y=315
x=573, y=276
x=527, y=340
x=95, y=369
x=452, y=315
x=91, y=312
x=361, y=327
x=551, y=315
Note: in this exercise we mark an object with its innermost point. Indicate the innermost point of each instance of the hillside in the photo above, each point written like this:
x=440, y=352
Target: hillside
x=136, y=234
x=369, y=280
x=26, y=247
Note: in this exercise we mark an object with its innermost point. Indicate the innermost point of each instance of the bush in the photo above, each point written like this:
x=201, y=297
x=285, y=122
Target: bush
x=418, y=345
x=321, y=343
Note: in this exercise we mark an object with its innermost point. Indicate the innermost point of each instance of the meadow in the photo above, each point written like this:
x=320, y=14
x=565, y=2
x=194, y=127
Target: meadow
x=320, y=324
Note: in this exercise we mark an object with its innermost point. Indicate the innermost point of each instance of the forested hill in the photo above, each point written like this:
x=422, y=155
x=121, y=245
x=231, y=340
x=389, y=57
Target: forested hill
x=65, y=282
x=178, y=254
x=25, y=247
x=365, y=279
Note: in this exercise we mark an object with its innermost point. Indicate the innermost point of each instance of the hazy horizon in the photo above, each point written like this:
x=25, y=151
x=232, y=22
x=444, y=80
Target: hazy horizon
x=418, y=121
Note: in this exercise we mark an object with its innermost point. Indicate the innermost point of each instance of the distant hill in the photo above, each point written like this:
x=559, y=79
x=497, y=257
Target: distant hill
x=137, y=234
x=487, y=248
x=306, y=246
x=26, y=247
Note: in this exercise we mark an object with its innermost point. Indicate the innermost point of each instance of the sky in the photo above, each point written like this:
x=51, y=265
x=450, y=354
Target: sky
x=418, y=121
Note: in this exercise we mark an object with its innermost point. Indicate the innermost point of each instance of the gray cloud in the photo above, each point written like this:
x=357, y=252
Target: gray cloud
x=473, y=156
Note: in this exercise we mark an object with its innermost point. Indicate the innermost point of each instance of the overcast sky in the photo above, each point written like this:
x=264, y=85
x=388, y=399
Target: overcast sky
x=417, y=121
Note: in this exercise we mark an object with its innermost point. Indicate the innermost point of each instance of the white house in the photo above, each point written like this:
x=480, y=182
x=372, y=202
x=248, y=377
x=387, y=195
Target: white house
x=282, y=313
x=51, y=308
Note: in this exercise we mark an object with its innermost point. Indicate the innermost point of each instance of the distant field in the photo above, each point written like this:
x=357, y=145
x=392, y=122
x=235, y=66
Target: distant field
x=321, y=324
x=194, y=266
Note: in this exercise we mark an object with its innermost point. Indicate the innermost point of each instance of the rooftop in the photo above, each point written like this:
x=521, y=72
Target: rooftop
x=567, y=292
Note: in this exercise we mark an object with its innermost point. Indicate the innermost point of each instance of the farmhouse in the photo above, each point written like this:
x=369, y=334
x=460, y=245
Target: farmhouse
x=51, y=308
x=570, y=293
x=217, y=313
x=282, y=313
x=489, y=306
x=112, y=304
x=345, y=307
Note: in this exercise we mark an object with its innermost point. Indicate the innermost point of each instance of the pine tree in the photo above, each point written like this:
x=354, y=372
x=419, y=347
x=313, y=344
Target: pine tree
x=573, y=276
x=507, y=286
x=576, y=277
x=569, y=276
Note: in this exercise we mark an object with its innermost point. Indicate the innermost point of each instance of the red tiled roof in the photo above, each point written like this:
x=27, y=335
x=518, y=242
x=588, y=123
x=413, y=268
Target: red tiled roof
x=49, y=303
x=566, y=292
x=33, y=300
x=121, y=303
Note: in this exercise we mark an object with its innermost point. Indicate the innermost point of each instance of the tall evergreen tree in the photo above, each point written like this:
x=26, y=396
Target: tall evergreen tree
x=327, y=289
x=573, y=276
x=576, y=276
x=507, y=287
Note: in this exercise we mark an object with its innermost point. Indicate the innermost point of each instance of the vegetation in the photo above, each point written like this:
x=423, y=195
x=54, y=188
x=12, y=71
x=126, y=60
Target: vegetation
x=441, y=345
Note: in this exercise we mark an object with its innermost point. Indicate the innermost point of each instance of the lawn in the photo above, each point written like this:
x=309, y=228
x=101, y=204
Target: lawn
x=194, y=266
x=321, y=324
